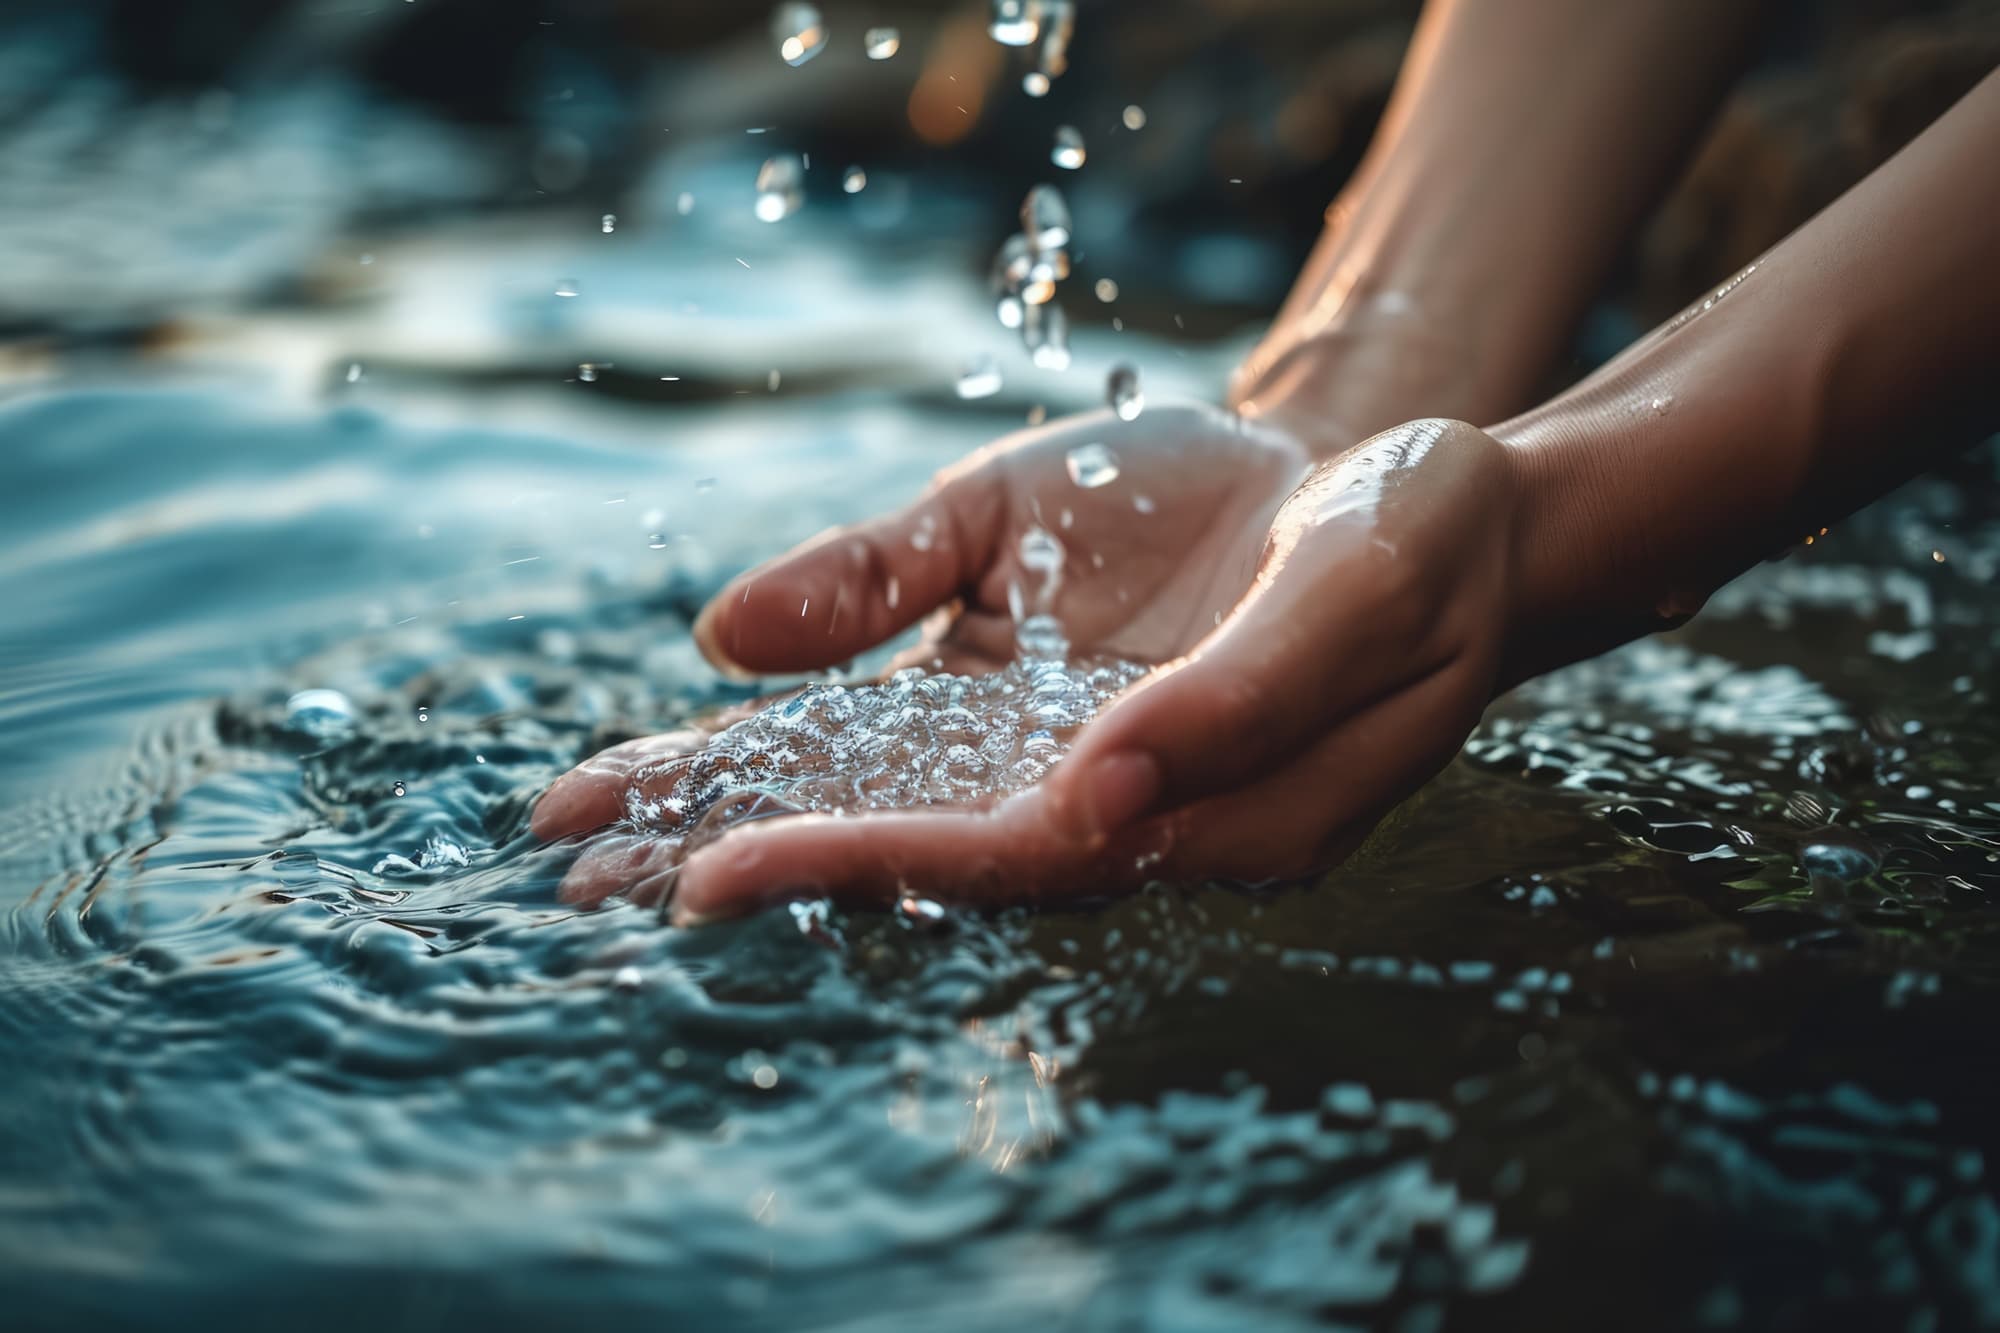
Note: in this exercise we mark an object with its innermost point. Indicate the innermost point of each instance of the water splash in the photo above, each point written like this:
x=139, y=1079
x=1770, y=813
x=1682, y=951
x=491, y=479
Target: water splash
x=916, y=739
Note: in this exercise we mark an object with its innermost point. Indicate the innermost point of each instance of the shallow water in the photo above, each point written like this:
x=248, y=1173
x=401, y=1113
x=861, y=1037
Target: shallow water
x=1604, y=1029
x=1575, y=1038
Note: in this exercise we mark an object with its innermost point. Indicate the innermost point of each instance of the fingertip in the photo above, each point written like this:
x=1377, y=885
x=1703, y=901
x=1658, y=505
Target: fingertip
x=716, y=619
x=740, y=872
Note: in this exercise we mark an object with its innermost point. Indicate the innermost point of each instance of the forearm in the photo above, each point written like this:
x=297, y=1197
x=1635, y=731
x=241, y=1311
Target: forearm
x=1840, y=363
x=1521, y=145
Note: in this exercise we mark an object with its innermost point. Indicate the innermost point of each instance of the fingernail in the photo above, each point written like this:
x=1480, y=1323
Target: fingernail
x=1113, y=791
x=711, y=647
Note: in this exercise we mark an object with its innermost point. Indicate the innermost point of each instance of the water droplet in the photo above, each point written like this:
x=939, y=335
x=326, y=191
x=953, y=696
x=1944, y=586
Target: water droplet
x=922, y=911
x=765, y=1076
x=1091, y=465
x=854, y=181
x=587, y=372
x=1046, y=332
x=609, y=223
x=1008, y=311
x=980, y=379
x=628, y=979
x=1045, y=218
x=1068, y=152
x=1661, y=404
x=657, y=541
x=1015, y=22
x=892, y=592
x=799, y=32
x=925, y=536
x=1107, y=290
x=780, y=187
x=397, y=789
x=684, y=203
x=1058, y=22
x=1842, y=859
x=1035, y=83
x=354, y=373
x=423, y=712
x=322, y=715
x=566, y=287
x=1134, y=117
x=773, y=380
x=1144, y=504
x=882, y=43
x=1037, y=414
x=1121, y=390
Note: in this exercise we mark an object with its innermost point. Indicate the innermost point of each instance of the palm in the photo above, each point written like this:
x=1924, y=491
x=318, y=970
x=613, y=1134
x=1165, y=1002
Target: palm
x=1153, y=557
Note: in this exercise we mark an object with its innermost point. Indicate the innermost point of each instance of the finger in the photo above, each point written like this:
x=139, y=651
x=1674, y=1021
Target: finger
x=614, y=864
x=592, y=794
x=850, y=588
x=1323, y=632
x=1313, y=811
x=1010, y=853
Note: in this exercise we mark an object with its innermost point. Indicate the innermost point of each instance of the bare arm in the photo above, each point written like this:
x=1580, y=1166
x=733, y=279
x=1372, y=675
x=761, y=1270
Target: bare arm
x=1834, y=367
x=1523, y=142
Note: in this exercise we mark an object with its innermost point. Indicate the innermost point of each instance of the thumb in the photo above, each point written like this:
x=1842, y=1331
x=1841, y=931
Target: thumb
x=852, y=587
x=1310, y=645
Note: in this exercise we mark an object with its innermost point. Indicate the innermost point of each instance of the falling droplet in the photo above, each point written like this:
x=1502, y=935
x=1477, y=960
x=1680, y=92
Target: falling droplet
x=1107, y=290
x=587, y=372
x=1058, y=22
x=1015, y=22
x=882, y=43
x=423, y=713
x=1121, y=390
x=1008, y=311
x=799, y=32
x=780, y=187
x=1035, y=83
x=657, y=541
x=1069, y=152
x=1091, y=465
x=980, y=379
x=397, y=789
x=1045, y=218
x=1134, y=117
x=1046, y=332
x=609, y=222
x=322, y=715
x=566, y=287
x=854, y=181
x=684, y=203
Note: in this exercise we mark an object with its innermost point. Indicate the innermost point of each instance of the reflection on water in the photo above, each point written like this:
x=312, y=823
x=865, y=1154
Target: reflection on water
x=1666, y=1003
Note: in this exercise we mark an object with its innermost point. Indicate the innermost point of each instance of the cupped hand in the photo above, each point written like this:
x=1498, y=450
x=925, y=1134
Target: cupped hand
x=1161, y=521
x=1362, y=639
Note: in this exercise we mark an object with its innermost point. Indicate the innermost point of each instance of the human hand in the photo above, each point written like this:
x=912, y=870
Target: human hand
x=1363, y=637
x=1153, y=558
